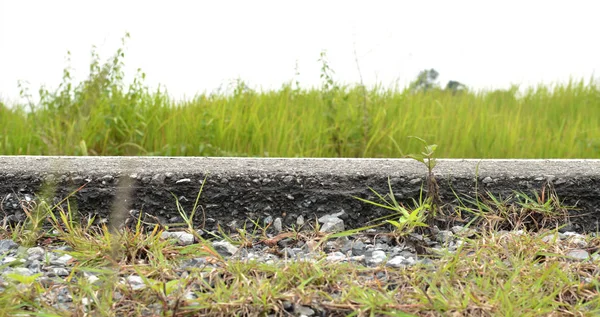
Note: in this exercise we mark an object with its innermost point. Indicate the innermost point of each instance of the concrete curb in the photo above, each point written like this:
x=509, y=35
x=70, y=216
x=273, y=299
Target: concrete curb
x=240, y=188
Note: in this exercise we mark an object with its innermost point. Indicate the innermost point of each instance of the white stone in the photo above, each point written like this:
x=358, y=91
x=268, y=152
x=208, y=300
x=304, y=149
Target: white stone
x=333, y=225
x=397, y=262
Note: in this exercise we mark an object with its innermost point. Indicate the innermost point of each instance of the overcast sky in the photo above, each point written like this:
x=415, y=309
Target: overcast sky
x=196, y=46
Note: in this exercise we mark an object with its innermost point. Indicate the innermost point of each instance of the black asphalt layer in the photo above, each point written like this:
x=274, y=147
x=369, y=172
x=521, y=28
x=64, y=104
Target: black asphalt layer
x=254, y=188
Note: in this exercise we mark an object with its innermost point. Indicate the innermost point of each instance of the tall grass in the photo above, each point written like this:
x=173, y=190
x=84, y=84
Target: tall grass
x=104, y=116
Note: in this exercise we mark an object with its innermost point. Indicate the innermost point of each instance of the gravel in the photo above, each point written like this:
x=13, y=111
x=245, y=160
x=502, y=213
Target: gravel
x=53, y=264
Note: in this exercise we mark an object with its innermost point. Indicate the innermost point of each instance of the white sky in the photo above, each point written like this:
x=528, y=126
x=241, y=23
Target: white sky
x=196, y=46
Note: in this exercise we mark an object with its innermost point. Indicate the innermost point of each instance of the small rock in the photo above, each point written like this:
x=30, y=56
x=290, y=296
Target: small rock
x=8, y=260
x=327, y=218
x=424, y=261
x=358, y=258
x=224, y=248
x=336, y=257
x=397, y=262
x=560, y=181
x=463, y=232
x=381, y=246
x=384, y=239
x=268, y=220
x=195, y=263
x=346, y=247
x=289, y=253
x=579, y=242
x=62, y=260
x=91, y=278
x=22, y=271
x=415, y=181
x=59, y=271
x=35, y=253
x=566, y=228
x=35, y=266
x=304, y=311
x=158, y=179
x=288, y=179
x=183, y=180
x=576, y=239
x=578, y=254
x=66, y=248
x=300, y=221
x=135, y=282
x=487, y=180
x=6, y=245
x=410, y=261
x=444, y=236
x=288, y=306
x=551, y=238
x=278, y=225
x=333, y=225
x=376, y=257
x=183, y=238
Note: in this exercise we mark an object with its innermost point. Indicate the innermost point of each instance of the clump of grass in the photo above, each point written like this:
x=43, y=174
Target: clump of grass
x=518, y=211
x=404, y=221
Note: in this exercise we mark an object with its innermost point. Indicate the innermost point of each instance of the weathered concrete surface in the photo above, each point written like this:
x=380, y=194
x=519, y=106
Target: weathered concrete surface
x=255, y=188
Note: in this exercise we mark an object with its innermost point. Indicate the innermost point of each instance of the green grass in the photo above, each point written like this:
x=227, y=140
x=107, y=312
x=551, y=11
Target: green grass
x=103, y=116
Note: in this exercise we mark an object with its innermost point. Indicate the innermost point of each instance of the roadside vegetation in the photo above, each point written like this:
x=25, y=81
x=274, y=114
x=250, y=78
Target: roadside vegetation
x=508, y=263
x=104, y=116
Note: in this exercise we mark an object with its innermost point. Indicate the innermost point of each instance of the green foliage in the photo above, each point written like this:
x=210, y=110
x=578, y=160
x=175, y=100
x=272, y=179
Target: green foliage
x=408, y=220
x=425, y=157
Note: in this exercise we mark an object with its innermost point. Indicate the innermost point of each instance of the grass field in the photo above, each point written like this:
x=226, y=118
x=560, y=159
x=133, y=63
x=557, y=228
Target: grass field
x=103, y=116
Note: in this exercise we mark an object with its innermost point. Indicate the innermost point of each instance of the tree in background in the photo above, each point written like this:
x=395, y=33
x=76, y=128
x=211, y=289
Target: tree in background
x=427, y=81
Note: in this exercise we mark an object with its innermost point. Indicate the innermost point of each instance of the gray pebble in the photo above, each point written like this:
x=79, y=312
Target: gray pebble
x=278, y=225
x=288, y=179
x=375, y=258
x=268, y=220
x=444, y=236
x=333, y=225
x=35, y=253
x=336, y=257
x=6, y=245
x=135, y=282
x=61, y=260
x=58, y=271
x=304, y=311
x=300, y=221
x=288, y=253
x=578, y=254
x=397, y=262
x=358, y=248
x=225, y=248
x=183, y=238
